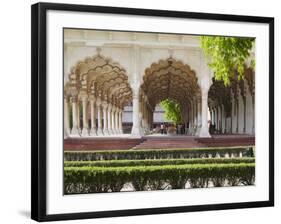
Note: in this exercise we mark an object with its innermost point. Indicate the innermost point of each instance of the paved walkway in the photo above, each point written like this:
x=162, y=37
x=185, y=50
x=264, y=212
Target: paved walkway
x=155, y=141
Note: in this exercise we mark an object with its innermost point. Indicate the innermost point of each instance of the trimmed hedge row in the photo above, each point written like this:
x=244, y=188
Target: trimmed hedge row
x=113, y=179
x=158, y=162
x=158, y=154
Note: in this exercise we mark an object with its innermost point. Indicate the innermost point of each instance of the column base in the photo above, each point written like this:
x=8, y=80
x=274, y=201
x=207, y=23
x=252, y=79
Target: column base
x=66, y=134
x=198, y=130
x=85, y=132
x=75, y=132
x=93, y=132
x=105, y=132
x=136, y=132
x=204, y=133
x=99, y=132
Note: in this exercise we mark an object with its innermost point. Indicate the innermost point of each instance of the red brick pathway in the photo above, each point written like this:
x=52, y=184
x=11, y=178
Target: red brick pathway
x=157, y=142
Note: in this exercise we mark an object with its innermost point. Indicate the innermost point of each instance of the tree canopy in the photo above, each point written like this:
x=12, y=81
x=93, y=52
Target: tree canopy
x=172, y=111
x=227, y=55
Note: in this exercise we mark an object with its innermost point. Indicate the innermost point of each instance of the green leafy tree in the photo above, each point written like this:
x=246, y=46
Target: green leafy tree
x=172, y=110
x=226, y=55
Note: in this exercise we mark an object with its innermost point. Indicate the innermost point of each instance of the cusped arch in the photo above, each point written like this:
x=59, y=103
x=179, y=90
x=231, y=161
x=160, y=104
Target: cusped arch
x=170, y=79
x=102, y=77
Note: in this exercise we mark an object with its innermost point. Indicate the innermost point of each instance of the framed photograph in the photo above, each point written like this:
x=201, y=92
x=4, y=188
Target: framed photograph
x=140, y=111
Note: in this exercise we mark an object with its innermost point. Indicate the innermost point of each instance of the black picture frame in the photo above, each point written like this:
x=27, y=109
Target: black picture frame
x=39, y=108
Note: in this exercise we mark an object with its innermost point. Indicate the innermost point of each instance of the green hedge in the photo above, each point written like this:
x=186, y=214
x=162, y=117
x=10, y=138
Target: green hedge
x=111, y=179
x=156, y=162
x=156, y=154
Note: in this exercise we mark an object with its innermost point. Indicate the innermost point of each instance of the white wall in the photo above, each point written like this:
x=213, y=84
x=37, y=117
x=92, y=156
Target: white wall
x=15, y=104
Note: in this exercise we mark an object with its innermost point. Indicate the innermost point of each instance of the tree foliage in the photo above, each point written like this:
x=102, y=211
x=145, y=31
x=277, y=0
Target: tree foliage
x=226, y=55
x=172, y=110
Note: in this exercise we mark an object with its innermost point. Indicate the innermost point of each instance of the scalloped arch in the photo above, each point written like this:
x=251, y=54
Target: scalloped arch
x=98, y=75
x=170, y=79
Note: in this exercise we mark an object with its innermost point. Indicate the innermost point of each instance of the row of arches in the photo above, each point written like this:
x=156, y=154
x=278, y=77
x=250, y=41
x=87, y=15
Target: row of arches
x=101, y=86
x=98, y=89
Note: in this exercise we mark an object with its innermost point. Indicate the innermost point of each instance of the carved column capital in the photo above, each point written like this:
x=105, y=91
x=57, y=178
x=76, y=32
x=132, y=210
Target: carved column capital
x=104, y=105
x=74, y=99
x=109, y=107
x=98, y=101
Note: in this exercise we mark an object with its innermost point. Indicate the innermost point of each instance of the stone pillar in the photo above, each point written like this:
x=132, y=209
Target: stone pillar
x=105, y=123
x=195, y=116
x=199, y=115
x=109, y=120
x=116, y=130
x=204, y=131
x=213, y=116
x=191, y=118
x=78, y=117
x=85, y=119
x=237, y=114
x=120, y=122
x=221, y=112
x=93, y=131
x=253, y=114
x=218, y=118
x=99, y=131
x=244, y=114
x=136, y=132
x=113, y=127
x=66, y=117
x=74, y=130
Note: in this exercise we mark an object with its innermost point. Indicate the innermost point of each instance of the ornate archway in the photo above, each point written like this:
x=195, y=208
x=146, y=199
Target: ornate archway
x=232, y=107
x=101, y=85
x=170, y=79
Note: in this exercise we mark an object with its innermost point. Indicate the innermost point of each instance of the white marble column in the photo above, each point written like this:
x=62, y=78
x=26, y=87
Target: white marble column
x=196, y=109
x=74, y=130
x=253, y=114
x=99, y=131
x=199, y=115
x=113, y=109
x=116, y=120
x=109, y=119
x=93, y=131
x=136, y=132
x=212, y=116
x=120, y=122
x=105, y=122
x=115, y=124
x=145, y=118
x=85, y=119
x=78, y=117
x=190, y=118
x=136, y=74
x=66, y=117
x=204, y=131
